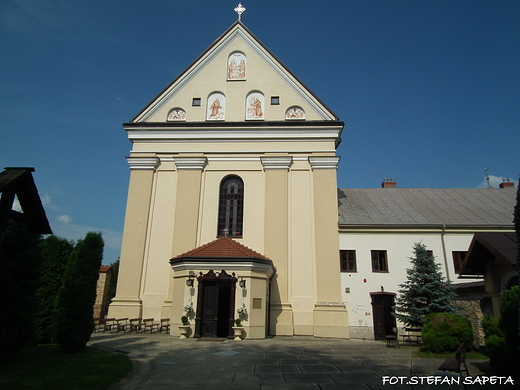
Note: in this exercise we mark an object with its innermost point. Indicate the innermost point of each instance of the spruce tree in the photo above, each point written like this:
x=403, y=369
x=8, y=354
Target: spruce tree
x=77, y=294
x=425, y=290
x=55, y=253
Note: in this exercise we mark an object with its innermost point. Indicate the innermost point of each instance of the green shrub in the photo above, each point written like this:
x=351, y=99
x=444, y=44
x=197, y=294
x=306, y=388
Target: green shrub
x=443, y=332
x=509, y=322
x=495, y=345
x=490, y=326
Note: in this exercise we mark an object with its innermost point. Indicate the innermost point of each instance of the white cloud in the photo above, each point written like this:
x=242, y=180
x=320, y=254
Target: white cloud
x=494, y=181
x=66, y=219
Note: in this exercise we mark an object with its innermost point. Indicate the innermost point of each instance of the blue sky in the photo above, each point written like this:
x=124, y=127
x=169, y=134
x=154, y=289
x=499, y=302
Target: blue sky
x=429, y=90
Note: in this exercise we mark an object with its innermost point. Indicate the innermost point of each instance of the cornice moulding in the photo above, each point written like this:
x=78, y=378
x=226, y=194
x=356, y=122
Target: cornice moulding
x=143, y=163
x=276, y=162
x=190, y=163
x=326, y=162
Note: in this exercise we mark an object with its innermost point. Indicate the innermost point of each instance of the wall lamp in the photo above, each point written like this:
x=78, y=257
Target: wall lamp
x=242, y=283
x=189, y=282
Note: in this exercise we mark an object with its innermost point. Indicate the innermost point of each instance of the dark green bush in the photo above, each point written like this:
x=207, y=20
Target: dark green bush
x=443, y=332
x=509, y=325
x=490, y=326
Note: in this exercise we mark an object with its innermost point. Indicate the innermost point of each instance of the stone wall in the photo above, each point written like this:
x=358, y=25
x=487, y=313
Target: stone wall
x=472, y=302
x=105, y=272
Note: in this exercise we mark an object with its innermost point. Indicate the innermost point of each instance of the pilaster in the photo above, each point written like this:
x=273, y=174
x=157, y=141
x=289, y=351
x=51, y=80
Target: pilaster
x=127, y=302
x=330, y=314
x=276, y=239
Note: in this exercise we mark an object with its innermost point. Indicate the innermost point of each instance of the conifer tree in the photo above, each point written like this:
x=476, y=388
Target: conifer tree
x=55, y=253
x=425, y=290
x=77, y=294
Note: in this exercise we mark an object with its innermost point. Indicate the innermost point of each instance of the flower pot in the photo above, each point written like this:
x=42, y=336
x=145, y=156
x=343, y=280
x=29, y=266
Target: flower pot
x=237, y=331
x=183, y=330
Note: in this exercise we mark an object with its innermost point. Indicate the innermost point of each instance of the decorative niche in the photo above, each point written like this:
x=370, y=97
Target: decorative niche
x=236, y=66
x=176, y=114
x=216, y=107
x=294, y=113
x=255, y=104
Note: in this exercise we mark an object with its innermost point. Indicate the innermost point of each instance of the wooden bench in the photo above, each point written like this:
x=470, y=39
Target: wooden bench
x=455, y=363
x=122, y=324
x=150, y=324
x=413, y=335
x=135, y=325
x=110, y=325
x=165, y=325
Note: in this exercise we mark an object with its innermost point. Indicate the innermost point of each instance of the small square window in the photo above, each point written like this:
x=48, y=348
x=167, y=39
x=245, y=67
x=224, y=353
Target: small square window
x=196, y=102
x=379, y=261
x=348, y=260
x=275, y=100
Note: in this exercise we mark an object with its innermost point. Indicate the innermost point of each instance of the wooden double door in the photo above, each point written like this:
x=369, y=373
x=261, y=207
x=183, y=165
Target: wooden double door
x=382, y=309
x=215, y=305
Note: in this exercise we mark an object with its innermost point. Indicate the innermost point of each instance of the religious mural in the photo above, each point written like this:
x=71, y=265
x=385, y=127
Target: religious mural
x=255, y=106
x=236, y=66
x=216, y=106
x=177, y=114
x=295, y=112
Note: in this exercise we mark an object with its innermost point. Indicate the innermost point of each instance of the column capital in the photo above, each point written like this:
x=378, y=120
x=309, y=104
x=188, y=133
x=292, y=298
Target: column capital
x=325, y=162
x=276, y=162
x=190, y=163
x=143, y=163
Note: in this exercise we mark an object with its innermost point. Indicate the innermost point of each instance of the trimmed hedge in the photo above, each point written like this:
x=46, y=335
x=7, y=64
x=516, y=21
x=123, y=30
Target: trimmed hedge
x=444, y=332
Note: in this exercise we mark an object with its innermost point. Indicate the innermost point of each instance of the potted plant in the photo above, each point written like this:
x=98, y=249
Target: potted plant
x=237, y=329
x=183, y=329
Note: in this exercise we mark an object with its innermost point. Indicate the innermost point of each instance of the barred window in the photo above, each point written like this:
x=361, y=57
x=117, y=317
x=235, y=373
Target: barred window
x=231, y=207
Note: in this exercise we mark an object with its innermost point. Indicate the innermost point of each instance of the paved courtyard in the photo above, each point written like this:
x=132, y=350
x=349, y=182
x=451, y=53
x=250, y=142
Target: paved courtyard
x=164, y=362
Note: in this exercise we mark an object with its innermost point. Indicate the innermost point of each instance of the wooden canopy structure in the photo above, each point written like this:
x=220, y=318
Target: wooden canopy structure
x=19, y=182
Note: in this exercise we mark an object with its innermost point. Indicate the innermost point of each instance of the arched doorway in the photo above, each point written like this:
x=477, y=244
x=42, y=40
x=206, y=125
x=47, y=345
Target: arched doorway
x=215, y=305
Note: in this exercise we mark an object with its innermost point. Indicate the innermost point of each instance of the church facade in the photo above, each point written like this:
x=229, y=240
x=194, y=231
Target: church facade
x=233, y=209
x=236, y=148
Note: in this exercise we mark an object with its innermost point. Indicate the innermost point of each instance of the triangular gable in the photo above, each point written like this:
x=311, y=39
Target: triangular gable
x=490, y=247
x=154, y=111
x=223, y=247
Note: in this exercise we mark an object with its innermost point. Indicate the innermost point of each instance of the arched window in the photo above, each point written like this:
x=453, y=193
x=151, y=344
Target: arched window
x=231, y=207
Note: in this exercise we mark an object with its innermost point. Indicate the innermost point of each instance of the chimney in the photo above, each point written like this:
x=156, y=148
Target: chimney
x=388, y=182
x=506, y=183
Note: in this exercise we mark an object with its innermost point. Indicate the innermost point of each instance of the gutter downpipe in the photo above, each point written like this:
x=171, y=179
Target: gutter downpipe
x=444, y=253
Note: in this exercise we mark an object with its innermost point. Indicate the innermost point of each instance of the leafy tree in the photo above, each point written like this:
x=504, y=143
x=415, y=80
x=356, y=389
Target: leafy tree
x=55, y=254
x=425, y=290
x=20, y=262
x=77, y=294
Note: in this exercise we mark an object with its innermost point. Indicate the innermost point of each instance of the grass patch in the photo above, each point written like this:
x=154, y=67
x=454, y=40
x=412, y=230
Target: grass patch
x=420, y=353
x=46, y=367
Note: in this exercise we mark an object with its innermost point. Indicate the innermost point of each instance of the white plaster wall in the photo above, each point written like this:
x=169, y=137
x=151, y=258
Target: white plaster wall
x=399, y=250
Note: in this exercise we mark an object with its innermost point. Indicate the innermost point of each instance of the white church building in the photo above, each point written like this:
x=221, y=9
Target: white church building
x=233, y=209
